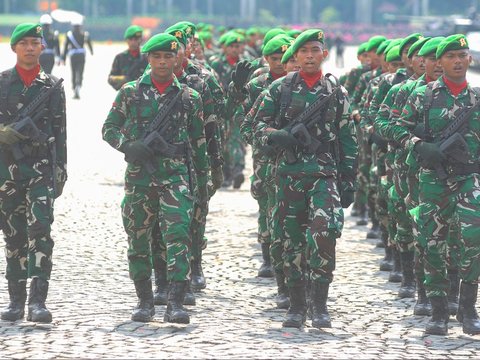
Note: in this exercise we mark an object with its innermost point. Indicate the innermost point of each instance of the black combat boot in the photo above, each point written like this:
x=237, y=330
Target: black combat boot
x=18, y=295
x=176, y=313
x=438, y=323
x=396, y=273
x=374, y=232
x=407, y=288
x=227, y=176
x=453, y=291
x=422, y=306
x=354, y=211
x=144, y=310
x=282, y=300
x=467, y=314
x=238, y=177
x=266, y=269
x=198, y=279
x=37, y=311
x=189, y=298
x=161, y=285
x=297, y=312
x=319, y=296
x=362, y=214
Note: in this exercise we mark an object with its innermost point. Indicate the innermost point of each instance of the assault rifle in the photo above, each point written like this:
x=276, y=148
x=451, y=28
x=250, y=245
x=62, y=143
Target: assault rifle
x=154, y=136
x=303, y=123
x=24, y=121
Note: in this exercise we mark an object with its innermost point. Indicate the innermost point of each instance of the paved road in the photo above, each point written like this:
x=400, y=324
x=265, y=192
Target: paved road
x=91, y=296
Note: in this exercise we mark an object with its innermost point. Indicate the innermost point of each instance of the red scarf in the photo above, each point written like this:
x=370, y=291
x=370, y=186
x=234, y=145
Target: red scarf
x=162, y=86
x=232, y=60
x=134, y=53
x=27, y=76
x=455, y=88
x=428, y=79
x=277, y=76
x=311, y=79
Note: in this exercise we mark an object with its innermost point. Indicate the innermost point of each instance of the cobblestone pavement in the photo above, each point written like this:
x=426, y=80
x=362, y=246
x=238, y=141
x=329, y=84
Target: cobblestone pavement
x=91, y=296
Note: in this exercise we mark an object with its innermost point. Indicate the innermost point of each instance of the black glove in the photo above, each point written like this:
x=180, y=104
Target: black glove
x=136, y=151
x=419, y=131
x=241, y=73
x=347, y=198
x=430, y=153
x=283, y=139
x=379, y=141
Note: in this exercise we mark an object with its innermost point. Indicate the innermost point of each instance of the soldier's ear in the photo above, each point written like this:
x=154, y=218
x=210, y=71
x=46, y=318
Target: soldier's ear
x=325, y=53
x=13, y=48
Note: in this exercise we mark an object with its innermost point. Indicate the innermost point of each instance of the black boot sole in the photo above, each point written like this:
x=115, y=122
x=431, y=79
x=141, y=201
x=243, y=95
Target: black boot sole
x=436, y=331
x=41, y=319
x=144, y=317
x=177, y=320
x=12, y=317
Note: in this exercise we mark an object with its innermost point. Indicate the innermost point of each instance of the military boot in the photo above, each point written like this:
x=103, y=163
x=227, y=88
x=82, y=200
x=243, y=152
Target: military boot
x=374, y=232
x=37, y=311
x=76, y=92
x=176, y=313
x=319, y=296
x=227, y=176
x=266, y=269
x=422, y=306
x=161, y=285
x=407, y=288
x=396, y=273
x=438, y=323
x=362, y=214
x=144, y=310
x=453, y=291
x=387, y=263
x=282, y=300
x=17, y=290
x=467, y=314
x=189, y=298
x=297, y=312
x=238, y=177
x=198, y=279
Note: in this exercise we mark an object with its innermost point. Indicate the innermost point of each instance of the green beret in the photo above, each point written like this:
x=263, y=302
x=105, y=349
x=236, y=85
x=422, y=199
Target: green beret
x=394, y=54
x=287, y=55
x=133, y=31
x=204, y=35
x=188, y=27
x=270, y=34
x=452, y=42
x=221, y=29
x=410, y=39
x=381, y=48
x=417, y=45
x=430, y=47
x=252, y=31
x=26, y=30
x=306, y=36
x=374, y=42
x=178, y=33
x=278, y=45
x=161, y=42
x=234, y=38
x=294, y=33
x=393, y=43
x=200, y=26
x=361, y=48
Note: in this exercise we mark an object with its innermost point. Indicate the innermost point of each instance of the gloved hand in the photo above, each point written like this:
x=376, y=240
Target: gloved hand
x=241, y=73
x=217, y=177
x=430, y=153
x=379, y=141
x=283, y=139
x=136, y=151
x=347, y=198
x=10, y=136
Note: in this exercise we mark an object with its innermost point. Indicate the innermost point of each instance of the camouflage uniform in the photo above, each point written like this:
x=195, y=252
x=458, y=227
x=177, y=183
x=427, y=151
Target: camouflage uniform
x=128, y=67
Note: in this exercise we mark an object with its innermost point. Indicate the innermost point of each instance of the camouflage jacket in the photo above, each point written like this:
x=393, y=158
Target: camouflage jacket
x=130, y=116
x=224, y=70
x=443, y=111
x=367, y=97
x=328, y=131
x=362, y=85
x=38, y=156
x=126, y=64
x=354, y=76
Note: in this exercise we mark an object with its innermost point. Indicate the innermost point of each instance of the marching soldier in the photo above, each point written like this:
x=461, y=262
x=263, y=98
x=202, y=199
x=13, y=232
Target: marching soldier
x=32, y=172
x=158, y=176
x=129, y=64
x=51, y=52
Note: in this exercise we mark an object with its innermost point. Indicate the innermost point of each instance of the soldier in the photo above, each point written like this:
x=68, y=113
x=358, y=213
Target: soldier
x=32, y=172
x=448, y=188
x=74, y=47
x=51, y=52
x=158, y=178
x=129, y=64
x=310, y=181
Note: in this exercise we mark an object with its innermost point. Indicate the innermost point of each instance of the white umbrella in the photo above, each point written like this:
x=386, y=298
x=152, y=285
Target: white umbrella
x=66, y=16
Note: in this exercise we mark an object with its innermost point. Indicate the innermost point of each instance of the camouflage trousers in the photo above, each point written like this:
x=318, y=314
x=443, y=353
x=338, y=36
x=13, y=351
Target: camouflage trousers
x=276, y=244
x=169, y=205
x=258, y=189
x=26, y=217
x=441, y=206
x=404, y=239
x=234, y=149
x=365, y=162
x=310, y=219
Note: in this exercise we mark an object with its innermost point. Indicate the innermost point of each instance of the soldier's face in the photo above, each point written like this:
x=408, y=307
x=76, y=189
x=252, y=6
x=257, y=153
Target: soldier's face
x=405, y=59
x=393, y=66
x=373, y=58
x=134, y=42
x=418, y=64
x=233, y=50
x=363, y=58
x=291, y=65
x=162, y=63
x=275, y=63
x=28, y=51
x=433, y=69
x=310, y=56
x=455, y=64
